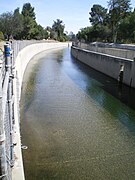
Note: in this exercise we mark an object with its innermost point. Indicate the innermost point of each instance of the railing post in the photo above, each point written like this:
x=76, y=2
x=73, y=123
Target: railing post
x=10, y=111
x=7, y=50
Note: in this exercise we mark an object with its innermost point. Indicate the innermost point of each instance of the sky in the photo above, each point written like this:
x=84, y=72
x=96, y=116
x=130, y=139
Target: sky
x=73, y=13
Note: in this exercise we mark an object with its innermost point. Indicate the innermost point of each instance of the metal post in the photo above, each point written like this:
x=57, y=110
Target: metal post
x=10, y=111
x=7, y=50
x=3, y=163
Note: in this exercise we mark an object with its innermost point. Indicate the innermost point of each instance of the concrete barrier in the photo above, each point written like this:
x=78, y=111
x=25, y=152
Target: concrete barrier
x=21, y=62
x=110, y=65
x=118, y=50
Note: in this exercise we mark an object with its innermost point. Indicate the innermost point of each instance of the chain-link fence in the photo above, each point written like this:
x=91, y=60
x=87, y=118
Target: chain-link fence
x=6, y=115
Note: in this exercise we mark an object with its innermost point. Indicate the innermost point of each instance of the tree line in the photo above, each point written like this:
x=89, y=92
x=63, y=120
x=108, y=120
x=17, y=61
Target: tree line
x=113, y=24
x=19, y=26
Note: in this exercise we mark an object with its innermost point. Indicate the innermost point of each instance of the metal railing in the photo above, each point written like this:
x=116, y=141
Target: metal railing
x=118, y=50
x=7, y=62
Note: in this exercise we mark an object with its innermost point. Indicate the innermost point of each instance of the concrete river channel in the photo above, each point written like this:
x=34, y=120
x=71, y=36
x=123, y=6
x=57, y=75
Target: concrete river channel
x=77, y=123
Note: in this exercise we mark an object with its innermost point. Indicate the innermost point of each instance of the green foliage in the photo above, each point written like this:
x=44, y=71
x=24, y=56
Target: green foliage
x=18, y=24
x=94, y=33
x=41, y=33
x=24, y=26
x=118, y=9
x=57, y=31
x=6, y=23
x=98, y=14
x=115, y=24
x=30, y=27
x=126, y=31
x=28, y=11
x=1, y=36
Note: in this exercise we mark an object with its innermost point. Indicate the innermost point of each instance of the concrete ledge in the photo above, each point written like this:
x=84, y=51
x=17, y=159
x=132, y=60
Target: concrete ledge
x=119, y=50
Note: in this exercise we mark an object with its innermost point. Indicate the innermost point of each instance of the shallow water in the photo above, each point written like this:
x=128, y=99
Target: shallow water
x=76, y=122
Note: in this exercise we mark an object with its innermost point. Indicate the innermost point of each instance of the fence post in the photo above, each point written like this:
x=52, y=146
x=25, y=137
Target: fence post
x=7, y=50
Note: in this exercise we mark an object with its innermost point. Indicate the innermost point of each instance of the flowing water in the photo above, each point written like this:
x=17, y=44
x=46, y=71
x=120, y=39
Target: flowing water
x=78, y=124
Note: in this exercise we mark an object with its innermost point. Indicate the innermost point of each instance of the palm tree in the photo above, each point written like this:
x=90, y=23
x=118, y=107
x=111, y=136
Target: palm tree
x=58, y=28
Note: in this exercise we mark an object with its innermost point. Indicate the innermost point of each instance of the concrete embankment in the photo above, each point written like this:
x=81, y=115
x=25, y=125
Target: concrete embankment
x=22, y=59
x=116, y=67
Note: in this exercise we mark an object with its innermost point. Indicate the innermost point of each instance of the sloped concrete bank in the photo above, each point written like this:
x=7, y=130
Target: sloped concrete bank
x=116, y=67
x=21, y=62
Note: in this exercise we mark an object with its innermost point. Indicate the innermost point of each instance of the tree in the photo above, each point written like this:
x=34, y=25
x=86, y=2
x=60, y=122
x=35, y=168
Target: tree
x=30, y=29
x=117, y=24
x=94, y=33
x=42, y=33
x=18, y=24
x=86, y=34
x=118, y=10
x=58, y=30
x=71, y=36
x=99, y=20
x=132, y=26
x=98, y=14
x=6, y=23
x=126, y=31
x=22, y=25
x=28, y=11
x=53, y=35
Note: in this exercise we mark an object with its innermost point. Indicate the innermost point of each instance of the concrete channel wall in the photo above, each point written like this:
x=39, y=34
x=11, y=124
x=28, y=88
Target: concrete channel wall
x=118, y=50
x=107, y=64
x=27, y=53
x=21, y=62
